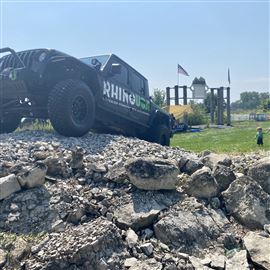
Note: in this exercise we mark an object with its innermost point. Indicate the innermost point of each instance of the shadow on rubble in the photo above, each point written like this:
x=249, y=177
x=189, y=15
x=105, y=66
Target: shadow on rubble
x=144, y=201
x=142, y=208
x=27, y=212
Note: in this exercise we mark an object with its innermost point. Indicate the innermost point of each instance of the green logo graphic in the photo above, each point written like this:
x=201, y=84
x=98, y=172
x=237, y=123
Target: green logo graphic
x=13, y=75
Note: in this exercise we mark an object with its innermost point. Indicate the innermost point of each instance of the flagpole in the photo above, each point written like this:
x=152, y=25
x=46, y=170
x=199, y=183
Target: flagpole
x=229, y=77
x=177, y=74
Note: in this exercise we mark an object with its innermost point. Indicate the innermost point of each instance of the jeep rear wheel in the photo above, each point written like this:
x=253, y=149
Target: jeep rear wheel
x=71, y=108
x=9, y=123
x=161, y=135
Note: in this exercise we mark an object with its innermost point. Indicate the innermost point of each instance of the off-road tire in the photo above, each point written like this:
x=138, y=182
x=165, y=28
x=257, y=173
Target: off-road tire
x=161, y=135
x=71, y=108
x=9, y=123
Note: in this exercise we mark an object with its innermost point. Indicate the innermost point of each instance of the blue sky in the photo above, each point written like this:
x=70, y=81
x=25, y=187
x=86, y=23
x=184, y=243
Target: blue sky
x=204, y=37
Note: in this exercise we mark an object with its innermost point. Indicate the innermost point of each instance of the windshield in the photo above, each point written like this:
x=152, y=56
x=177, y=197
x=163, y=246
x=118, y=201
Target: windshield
x=101, y=58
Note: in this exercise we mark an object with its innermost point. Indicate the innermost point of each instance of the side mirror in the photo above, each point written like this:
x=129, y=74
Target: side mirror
x=94, y=61
x=116, y=68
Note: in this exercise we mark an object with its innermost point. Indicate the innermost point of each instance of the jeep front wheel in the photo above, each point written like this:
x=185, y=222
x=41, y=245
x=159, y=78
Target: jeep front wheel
x=9, y=123
x=71, y=108
x=161, y=135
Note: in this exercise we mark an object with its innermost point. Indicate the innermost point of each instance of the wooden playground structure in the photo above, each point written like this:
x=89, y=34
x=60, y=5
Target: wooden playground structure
x=199, y=90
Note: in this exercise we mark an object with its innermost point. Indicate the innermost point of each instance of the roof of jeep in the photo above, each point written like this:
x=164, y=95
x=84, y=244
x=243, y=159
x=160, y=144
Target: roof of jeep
x=65, y=54
x=129, y=65
x=114, y=55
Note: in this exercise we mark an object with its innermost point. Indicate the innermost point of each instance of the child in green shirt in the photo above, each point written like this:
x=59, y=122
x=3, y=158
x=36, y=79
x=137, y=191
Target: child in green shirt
x=259, y=136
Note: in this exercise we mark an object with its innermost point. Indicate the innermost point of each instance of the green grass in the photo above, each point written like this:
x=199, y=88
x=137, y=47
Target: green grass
x=238, y=139
x=36, y=126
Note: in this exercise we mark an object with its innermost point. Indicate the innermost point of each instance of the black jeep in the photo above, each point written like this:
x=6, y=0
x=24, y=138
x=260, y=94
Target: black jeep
x=102, y=93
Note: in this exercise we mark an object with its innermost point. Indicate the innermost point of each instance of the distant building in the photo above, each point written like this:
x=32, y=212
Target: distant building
x=261, y=117
x=252, y=116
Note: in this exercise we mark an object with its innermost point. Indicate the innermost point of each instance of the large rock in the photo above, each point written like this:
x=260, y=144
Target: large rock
x=190, y=227
x=258, y=247
x=131, y=238
x=34, y=177
x=150, y=264
x=248, y=202
x=211, y=160
x=21, y=250
x=224, y=176
x=238, y=261
x=218, y=262
x=3, y=258
x=8, y=185
x=260, y=172
x=153, y=174
x=201, y=184
x=130, y=262
x=117, y=173
x=76, y=161
x=189, y=165
x=142, y=209
x=88, y=246
x=57, y=167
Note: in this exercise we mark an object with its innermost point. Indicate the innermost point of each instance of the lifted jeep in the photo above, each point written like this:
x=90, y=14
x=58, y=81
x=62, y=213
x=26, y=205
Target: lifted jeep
x=76, y=95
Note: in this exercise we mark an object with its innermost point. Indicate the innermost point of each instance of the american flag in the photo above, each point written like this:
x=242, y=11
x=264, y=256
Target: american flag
x=180, y=70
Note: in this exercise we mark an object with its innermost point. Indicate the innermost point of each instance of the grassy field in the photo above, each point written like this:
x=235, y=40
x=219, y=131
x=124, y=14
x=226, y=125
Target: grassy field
x=238, y=139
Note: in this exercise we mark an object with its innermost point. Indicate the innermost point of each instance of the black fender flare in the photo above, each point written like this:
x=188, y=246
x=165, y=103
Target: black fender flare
x=159, y=117
x=82, y=72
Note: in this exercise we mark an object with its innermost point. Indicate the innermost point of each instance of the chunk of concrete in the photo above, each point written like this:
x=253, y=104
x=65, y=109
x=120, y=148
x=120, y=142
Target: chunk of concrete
x=35, y=177
x=8, y=185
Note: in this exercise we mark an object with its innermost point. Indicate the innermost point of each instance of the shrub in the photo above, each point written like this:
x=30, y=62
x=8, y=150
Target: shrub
x=198, y=117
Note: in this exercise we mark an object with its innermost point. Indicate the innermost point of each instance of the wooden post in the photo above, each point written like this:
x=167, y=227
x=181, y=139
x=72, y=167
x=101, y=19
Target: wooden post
x=228, y=106
x=185, y=94
x=168, y=97
x=176, y=95
x=220, y=106
x=212, y=111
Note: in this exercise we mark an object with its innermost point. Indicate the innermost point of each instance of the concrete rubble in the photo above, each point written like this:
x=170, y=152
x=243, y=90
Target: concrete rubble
x=105, y=202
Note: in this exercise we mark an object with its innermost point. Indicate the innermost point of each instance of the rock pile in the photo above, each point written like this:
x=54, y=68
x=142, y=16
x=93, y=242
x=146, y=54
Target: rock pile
x=104, y=202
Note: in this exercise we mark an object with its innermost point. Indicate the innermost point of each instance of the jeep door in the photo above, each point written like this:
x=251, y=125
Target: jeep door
x=140, y=109
x=116, y=87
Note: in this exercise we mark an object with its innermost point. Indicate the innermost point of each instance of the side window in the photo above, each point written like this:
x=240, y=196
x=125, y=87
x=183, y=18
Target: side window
x=123, y=76
x=137, y=83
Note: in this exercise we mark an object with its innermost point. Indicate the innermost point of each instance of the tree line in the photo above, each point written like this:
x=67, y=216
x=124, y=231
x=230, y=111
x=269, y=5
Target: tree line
x=252, y=101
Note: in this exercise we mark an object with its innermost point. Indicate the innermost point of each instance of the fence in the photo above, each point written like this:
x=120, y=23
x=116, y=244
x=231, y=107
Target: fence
x=248, y=117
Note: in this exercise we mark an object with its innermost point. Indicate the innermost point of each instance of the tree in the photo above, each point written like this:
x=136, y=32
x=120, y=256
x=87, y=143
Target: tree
x=159, y=97
x=266, y=105
x=207, y=102
x=236, y=106
x=250, y=100
x=198, y=116
x=264, y=96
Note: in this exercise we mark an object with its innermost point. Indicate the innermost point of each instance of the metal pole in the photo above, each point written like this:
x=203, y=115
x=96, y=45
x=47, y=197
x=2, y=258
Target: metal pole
x=168, y=98
x=228, y=106
x=176, y=94
x=212, y=112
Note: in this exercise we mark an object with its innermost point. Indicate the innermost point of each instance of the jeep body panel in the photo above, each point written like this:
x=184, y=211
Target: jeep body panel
x=122, y=101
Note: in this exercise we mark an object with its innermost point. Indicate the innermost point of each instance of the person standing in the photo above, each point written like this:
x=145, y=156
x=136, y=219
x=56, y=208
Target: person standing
x=259, y=136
